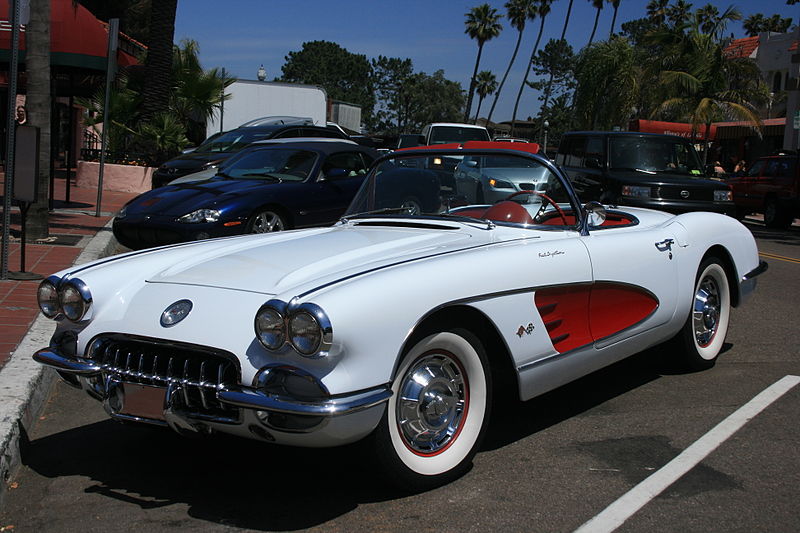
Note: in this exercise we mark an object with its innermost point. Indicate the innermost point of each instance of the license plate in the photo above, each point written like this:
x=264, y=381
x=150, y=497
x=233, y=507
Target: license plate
x=144, y=401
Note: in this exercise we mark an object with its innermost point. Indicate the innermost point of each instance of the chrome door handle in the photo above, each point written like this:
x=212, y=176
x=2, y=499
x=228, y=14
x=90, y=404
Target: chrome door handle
x=665, y=245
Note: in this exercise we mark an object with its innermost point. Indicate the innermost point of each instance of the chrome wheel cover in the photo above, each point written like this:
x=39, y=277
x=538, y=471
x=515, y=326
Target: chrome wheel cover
x=267, y=221
x=412, y=206
x=432, y=403
x=706, y=312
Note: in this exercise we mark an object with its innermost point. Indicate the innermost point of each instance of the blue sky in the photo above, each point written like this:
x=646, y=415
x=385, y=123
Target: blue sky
x=240, y=35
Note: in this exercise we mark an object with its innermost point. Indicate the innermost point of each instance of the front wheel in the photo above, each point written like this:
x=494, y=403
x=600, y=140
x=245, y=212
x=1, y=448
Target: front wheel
x=438, y=412
x=776, y=216
x=266, y=221
x=703, y=334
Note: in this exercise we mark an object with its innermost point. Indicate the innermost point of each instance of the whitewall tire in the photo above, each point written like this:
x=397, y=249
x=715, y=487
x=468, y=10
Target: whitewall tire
x=438, y=411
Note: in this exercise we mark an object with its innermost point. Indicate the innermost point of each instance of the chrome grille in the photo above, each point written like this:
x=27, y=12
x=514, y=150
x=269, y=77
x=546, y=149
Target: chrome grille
x=200, y=373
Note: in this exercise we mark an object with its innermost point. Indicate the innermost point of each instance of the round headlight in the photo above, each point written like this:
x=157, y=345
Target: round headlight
x=73, y=304
x=47, y=295
x=305, y=333
x=269, y=328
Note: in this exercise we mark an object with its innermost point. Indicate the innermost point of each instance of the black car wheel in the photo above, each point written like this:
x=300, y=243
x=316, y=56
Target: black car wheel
x=266, y=221
x=775, y=216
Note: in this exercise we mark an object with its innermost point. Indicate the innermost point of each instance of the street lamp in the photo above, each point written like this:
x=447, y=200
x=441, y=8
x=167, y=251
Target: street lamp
x=544, y=144
x=262, y=74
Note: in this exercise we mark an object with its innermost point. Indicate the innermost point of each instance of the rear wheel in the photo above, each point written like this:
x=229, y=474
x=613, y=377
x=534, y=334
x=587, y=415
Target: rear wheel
x=703, y=334
x=438, y=412
x=776, y=216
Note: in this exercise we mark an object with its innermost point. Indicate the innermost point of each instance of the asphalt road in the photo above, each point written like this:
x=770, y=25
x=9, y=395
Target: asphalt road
x=550, y=464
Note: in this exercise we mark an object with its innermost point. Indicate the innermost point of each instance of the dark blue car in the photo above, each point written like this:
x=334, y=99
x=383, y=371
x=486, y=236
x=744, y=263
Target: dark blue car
x=262, y=188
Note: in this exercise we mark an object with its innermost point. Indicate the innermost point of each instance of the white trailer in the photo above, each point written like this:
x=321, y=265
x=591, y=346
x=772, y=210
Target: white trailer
x=252, y=99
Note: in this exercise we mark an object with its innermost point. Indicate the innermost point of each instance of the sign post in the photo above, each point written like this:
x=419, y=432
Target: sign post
x=14, y=8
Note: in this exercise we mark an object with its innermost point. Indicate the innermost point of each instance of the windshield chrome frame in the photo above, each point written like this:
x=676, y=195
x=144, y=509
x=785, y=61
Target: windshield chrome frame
x=460, y=152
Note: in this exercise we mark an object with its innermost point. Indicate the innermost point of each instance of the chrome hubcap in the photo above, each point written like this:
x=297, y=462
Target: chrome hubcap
x=266, y=222
x=411, y=207
x=705, y=315
x=432, y=402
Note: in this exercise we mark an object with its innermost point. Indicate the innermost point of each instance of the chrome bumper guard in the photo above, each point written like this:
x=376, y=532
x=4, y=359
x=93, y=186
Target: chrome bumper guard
x=748, y=282
x=242, y=397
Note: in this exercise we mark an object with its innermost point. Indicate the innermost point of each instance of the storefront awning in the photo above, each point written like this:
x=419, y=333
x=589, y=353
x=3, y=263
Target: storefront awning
x=77, y=38
x=671, y=128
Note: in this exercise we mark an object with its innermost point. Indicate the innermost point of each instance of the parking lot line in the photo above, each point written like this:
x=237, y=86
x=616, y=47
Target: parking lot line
x=779, y=257
x=629, y=503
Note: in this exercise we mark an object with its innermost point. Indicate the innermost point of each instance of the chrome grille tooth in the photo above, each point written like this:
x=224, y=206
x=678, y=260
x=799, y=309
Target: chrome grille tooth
x=154, y=373
x=185, y=382
x=140, y=372
x=202, y=384
x=220, y=375
x=169, y=368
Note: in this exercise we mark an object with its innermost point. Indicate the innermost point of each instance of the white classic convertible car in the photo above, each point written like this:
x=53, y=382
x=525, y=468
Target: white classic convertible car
x=397, y=323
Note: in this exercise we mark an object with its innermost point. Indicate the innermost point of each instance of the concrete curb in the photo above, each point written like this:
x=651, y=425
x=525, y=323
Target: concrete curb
x=25, y=384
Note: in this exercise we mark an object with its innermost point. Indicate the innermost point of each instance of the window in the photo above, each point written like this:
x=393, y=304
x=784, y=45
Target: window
x=572, y=152
x=757, y=169
x=352, y=162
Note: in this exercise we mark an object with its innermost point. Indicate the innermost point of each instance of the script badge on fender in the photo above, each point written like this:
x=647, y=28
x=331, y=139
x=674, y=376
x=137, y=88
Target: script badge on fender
x=175, y=313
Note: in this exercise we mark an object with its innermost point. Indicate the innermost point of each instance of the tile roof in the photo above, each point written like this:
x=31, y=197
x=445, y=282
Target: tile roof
x=742, y=47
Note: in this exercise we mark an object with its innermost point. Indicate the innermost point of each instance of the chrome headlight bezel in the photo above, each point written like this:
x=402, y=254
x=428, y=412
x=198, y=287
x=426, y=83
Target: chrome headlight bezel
x=277, y=325
x=74, y=299
x=47, y=297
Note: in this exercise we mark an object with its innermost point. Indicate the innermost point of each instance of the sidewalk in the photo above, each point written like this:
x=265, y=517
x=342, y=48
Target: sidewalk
x=72, y=226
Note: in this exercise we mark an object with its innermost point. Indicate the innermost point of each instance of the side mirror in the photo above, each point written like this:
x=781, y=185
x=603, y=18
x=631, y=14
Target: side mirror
x=189, y=149
x=595, y=214
x=471, y=163
x=592, y=162
x=336, y=173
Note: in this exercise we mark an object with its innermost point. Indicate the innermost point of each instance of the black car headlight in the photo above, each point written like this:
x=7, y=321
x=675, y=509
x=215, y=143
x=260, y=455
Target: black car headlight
x=306, y=328
x=47, y=296
x=199, y=216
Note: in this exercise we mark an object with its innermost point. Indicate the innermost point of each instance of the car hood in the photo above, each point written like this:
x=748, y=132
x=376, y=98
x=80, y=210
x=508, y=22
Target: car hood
x=182, y=198
x=274, y=263
x=661, y=179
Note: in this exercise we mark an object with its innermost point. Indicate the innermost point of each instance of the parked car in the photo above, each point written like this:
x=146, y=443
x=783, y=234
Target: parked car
x=452, y=132
x=641, y=169
x=396, y=326
x=269, y=187
x=216, y=150
x=491, y=178
x=770, y=186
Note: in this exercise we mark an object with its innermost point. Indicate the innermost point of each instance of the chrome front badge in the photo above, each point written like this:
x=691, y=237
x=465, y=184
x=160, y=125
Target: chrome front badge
x=175, y=313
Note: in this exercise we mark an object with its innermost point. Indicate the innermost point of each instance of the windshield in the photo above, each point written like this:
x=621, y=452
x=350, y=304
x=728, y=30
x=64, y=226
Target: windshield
x=284, y=164
x=654, y=155
x=435, y=184
x=453, y=134
x=234, y=140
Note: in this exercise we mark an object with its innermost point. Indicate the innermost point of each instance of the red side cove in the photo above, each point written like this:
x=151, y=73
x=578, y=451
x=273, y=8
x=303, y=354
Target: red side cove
x=581, y=314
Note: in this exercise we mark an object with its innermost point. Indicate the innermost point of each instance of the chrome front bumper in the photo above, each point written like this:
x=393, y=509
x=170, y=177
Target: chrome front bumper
x=748, y=282
x=346, y=417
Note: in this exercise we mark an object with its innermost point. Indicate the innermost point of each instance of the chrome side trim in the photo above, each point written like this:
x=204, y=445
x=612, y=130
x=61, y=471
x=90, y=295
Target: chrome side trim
x=760, y=269
x=340, y=405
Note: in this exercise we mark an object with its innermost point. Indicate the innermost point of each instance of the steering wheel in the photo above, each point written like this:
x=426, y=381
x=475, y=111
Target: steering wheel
x=545, y=198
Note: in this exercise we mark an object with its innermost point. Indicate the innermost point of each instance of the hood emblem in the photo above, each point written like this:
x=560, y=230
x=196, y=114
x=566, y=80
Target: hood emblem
x=175, y=313
x=684, y=194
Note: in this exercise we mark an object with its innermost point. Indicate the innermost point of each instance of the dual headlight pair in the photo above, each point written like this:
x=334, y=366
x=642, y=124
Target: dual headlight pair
x=304, y=327
x=70, y=298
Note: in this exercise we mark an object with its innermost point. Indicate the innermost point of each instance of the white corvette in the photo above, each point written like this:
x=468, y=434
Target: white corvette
x=398, y=323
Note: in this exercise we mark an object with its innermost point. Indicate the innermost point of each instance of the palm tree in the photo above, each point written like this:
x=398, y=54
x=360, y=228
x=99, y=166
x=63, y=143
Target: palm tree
x=657, y=11
x=38, y=103
x=708, y=15
x=702, y=85
x=598, y=5
x=678, y=13
x=753, y=24
x=615, y=5
x=519, y=12
x=542, y=10
x=485, y=84
x=550, y=79
x=482, y=24
x=158, y=64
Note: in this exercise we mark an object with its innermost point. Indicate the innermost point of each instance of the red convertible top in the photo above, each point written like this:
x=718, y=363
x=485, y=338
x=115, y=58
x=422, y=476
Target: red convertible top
x=532, y=148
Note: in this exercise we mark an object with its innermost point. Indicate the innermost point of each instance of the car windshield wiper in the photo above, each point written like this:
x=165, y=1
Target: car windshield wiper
x=382, y=211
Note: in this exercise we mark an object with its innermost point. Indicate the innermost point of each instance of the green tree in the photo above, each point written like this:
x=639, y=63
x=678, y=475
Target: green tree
x=37, y=69
x=390, y=78
x=197, y=93
x=700, y=84
x=607, y=77
x=482, y=25
x=485, y=84
x=519, y=12
x=432, y=99
x=679, y=12
x=757, y=23
x=344, y=75
x=158, y=65
x=542, y=10
x=657, y=11
x=557, y=62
